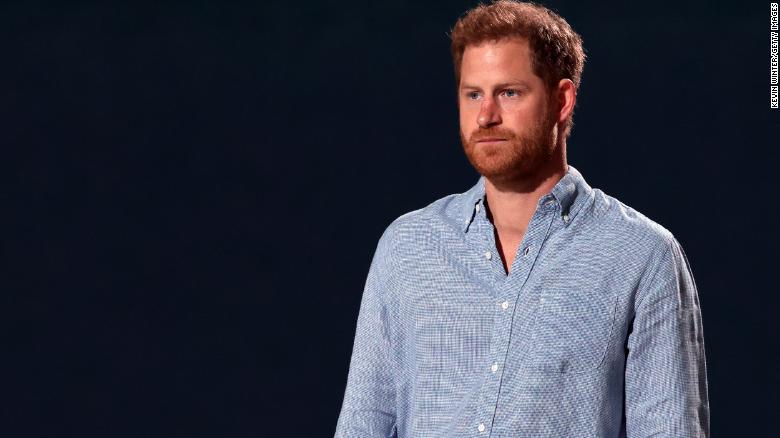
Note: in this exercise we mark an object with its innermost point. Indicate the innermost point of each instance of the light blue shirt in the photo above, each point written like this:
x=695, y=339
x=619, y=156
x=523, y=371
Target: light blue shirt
x=595, y=332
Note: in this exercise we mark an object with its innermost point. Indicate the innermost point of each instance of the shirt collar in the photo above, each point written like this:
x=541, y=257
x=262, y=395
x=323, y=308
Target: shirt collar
x=570, y=193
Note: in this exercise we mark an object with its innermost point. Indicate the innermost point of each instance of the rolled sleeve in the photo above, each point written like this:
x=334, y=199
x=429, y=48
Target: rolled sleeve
x=666, y=376
x=368, y=409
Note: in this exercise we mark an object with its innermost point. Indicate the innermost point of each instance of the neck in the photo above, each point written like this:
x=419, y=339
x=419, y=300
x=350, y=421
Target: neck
x=512, y=202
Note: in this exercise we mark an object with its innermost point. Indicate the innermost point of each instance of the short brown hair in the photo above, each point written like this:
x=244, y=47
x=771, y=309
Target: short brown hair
x=556, y=47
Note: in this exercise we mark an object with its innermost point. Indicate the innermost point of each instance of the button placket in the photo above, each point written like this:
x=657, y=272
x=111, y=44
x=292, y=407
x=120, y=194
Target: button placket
x=508, y=290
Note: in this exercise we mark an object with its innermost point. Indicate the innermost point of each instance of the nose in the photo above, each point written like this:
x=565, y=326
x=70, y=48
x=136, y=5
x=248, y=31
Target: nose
x=489, y=113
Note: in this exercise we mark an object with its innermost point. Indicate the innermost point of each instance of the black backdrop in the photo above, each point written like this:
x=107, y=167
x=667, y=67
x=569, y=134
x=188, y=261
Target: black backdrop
x=192, y=193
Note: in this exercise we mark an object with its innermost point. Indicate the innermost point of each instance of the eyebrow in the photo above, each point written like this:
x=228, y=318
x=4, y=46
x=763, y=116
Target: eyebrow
x=501, y=85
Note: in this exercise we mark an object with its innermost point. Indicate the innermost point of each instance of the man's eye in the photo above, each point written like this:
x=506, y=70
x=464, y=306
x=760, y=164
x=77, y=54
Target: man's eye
x=511, y=93
x=472, y=95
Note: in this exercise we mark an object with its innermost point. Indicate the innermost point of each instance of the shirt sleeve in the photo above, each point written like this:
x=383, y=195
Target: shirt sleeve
x=368, y=409
x=666, y=375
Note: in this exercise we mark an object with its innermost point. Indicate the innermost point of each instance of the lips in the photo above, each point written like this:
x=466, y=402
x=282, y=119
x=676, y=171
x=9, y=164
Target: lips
x=490, y=140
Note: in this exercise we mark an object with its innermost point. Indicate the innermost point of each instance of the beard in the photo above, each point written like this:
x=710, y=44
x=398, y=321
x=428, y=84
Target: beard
x=519, y=157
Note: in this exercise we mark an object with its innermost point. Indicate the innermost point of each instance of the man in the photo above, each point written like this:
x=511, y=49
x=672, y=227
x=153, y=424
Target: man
x=532, y=305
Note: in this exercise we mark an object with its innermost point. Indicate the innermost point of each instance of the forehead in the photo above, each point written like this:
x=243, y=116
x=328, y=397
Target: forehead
x=499, y=60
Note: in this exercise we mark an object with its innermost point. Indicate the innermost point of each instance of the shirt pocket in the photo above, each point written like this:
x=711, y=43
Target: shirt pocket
x=572, y=330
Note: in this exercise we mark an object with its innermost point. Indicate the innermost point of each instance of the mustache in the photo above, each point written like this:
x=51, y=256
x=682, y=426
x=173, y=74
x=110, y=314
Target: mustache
x=481, y=134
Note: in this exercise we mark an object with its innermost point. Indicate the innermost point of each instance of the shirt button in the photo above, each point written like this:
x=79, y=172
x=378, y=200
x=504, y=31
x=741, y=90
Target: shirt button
x=566, y=218
x=504, y=305
x=481, y=427
x=488, y=255
x=477, y=207
x=527, y=250
x=494, y=368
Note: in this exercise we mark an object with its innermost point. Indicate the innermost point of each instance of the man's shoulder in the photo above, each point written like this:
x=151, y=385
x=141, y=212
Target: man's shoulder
x=414, y=229
x=405, y=236
x=620, y=223
x=442, y=212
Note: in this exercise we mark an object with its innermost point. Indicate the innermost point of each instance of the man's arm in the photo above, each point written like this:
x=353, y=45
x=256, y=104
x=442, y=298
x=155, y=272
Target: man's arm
x=368, y=409
x=666, y=375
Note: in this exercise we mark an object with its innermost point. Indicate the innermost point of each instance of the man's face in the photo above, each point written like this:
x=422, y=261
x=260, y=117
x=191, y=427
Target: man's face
x=506, y=121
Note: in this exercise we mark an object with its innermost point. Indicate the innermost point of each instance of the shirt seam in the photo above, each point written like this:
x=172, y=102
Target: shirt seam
x=654, y=275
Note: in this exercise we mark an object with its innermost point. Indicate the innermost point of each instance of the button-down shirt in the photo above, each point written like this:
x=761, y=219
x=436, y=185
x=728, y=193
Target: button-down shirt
x=596, y=330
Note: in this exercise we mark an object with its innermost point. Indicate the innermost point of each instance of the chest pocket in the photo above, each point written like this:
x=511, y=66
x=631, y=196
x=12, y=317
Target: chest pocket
x=572, y=330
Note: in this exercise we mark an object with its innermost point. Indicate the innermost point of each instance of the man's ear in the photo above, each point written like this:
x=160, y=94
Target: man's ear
x=565, y=99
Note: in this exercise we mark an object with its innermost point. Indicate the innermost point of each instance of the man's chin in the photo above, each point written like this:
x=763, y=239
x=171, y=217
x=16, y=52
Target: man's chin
x=500, y=173
x=504, y=171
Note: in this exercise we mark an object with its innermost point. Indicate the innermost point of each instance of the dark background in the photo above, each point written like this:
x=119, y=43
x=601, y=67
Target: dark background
x=192, y=193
